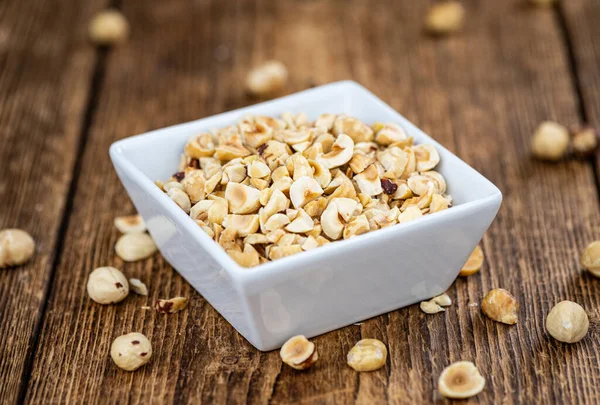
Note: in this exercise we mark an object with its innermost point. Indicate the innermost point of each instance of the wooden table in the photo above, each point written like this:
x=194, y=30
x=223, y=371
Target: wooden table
x=481, y=93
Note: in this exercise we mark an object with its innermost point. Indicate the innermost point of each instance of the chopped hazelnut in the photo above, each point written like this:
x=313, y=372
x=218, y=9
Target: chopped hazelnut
x=367, y=355
x=172, y=305
x=460, y=380
x=585, y=141
x=474, y=263
x=299, y=353
x=499, y=305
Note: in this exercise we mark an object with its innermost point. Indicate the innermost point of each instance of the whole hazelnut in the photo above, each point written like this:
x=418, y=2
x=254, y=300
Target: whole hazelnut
x=445, y=17
x=550, y=141
x=108, y=27
x=590, y=258
x=107, y=285
x=567, y=322
x=131, y=351
x=16, y=247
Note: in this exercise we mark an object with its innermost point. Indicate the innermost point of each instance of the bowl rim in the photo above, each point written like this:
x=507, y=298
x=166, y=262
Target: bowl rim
x=243, y=274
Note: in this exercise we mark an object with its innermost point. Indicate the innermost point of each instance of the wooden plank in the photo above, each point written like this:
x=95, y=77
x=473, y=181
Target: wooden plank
x=580, y=18
x=481, y=93
x=45, y=72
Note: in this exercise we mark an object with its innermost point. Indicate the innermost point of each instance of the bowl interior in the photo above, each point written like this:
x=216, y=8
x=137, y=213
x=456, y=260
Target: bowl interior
x=156, y=154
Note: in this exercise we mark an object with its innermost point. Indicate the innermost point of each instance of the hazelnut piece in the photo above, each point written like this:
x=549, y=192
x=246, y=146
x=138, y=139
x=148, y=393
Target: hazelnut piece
x=460, y=380
x=367, y=355
x=474, y=263
x=499, y=305
x=299, y=353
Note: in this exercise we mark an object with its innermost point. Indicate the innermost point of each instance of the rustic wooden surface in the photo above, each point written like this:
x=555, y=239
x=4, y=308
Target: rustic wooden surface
x=481, y=93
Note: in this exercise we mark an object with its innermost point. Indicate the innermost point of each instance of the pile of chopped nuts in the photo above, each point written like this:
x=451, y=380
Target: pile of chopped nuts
x=268, y=188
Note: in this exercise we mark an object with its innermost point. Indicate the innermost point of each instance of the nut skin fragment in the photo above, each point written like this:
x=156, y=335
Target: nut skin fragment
x=131, y=351
x=132, y=247
x=445, y=18
x=460, y=380
x=267, y=79
x=16, y=247
x=367, y=355
x=474, y=263
x=130, y=223
x=172, y=305
x=108, y=27
x=499, y=305
x=107, y=285
x=299, y=353
x=550, y=141
x=137, y=286
x=590, y=258
x=567, y=322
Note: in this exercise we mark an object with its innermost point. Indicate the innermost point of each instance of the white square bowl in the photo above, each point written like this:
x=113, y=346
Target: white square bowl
x=326, y=288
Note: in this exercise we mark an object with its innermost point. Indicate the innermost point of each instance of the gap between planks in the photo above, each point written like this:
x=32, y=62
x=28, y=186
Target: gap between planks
x=576, y=82
x=96, y=80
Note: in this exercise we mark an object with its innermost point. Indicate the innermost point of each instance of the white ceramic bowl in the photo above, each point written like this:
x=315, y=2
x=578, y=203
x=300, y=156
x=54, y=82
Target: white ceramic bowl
x=326, y=288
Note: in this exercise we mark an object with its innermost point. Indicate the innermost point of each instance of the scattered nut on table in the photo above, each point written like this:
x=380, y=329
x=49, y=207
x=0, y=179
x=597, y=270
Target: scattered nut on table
x=567, y=322
x=460, y=380
x=267, y=79
x=131, y=351
x=132, y=247
x=367, y=355
x=138, y=287
x=443, y=299
x=299, y=353
x=430, y=307
x=107, y=285
x=434, y=305
x=172, y=305
x=16, y=247
x=108, y=27
x=445, y=17
x=585, y=141
x=550, y=141
x=474, y=263
x=590, y=258
x=499, y=305
x=130, y=224
x=267, y=188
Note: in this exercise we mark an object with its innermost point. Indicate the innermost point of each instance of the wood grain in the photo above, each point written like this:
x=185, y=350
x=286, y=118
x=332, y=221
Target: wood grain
x=45, y=72
x=481, y=93
x=582, y=33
